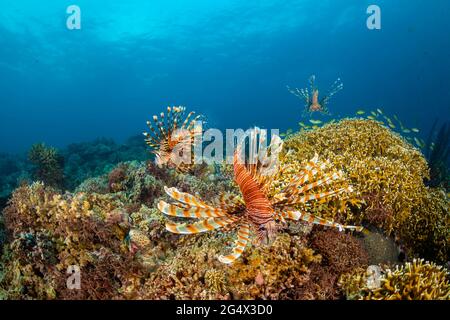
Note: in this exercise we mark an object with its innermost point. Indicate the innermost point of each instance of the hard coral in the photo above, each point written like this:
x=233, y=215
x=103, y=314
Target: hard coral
x=416, y=280
x=387, y=174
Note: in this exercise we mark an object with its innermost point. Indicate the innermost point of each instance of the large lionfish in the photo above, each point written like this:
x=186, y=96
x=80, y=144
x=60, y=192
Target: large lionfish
x=173, y=141
x=265, y=203
x=311, y=95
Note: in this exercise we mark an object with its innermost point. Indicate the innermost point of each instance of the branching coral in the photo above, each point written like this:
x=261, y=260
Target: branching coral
x=427, y=229
x=48, y=165
x=267, y=272
x=376, y=160
x=416, y=280
x=388, y=174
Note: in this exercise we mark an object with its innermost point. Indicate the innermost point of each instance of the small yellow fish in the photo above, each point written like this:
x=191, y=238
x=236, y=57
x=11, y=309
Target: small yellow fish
x=415, y=130
x=315, y=127
x=406, y=131
x=390, y=124
x=315, y=121
x=360, y=112
x=302, y=124
x=371, y=117
x=379, y=111
x=374, y=113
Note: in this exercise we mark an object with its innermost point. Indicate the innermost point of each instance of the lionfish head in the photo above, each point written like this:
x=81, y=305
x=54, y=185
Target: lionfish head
x=267, y=232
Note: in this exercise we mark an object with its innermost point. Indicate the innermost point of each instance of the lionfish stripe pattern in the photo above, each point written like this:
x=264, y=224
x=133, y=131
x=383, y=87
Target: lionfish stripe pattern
x=258, y=205
x=243, y=237
x=186, y=198
x=307, y=217
x=201, y=226
x=190, y=212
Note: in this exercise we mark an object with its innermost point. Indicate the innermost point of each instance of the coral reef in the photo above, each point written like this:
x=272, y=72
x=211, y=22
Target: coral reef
x=109, y=225
x=416, y=280
x=96, y=158
x=50, y=232
x=387, y=173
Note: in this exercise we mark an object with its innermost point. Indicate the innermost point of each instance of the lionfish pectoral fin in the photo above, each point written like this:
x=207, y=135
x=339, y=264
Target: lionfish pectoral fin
x=307, y=217
x=201, y=226
x=185, y=198
x=189, y=212
x=243, y=237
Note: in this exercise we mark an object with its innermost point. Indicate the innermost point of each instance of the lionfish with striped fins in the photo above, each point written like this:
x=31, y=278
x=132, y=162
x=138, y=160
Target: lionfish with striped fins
x=264, y=204
x=172, y=138
x=311, y=95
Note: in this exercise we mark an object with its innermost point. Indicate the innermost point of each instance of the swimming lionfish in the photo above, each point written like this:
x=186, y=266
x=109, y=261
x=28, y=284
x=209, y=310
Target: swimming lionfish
x=259, y=211
x=311, y=95
x=173, y=141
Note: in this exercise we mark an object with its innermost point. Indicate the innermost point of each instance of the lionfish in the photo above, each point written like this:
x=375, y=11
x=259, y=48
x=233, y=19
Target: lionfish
x=311, y=95
x=172, y=140
x=260, y=211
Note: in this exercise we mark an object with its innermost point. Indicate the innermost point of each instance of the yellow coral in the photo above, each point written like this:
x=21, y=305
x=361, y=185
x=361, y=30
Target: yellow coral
x=375, y=159
x=416, y=280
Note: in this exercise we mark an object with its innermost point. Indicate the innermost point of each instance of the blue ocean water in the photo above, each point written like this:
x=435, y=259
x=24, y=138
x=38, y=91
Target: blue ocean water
x=230, y=60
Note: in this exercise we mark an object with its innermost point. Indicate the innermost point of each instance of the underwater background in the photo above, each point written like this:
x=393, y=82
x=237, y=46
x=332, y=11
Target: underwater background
x=74, y=104
x=228, y=60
